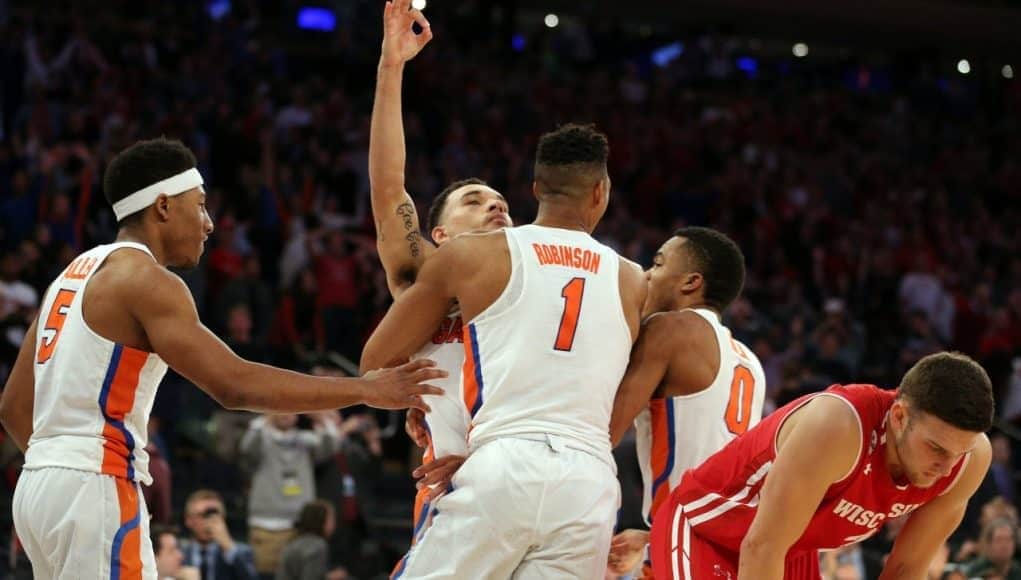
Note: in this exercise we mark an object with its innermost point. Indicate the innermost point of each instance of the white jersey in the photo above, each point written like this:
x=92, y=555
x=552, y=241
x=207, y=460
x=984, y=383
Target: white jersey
x=547, y=356
x=675, y=434
x=92, y=396
x=447, y=422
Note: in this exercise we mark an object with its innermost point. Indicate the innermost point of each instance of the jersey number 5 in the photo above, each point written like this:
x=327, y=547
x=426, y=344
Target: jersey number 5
x=54, y=324
x=572, y=294
x=739, y=408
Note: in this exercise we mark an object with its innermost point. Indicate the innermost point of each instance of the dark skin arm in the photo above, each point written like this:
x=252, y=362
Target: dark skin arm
x=172, y=327
x=646, y=371
x=18, y=398
x=419, y=310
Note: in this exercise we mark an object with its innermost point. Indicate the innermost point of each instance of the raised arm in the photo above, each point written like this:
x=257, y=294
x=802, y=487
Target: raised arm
x=18, y=398
x=171, y=323
x=801, y=473
x=398, y=237
x=417, y=312
x=928, y=527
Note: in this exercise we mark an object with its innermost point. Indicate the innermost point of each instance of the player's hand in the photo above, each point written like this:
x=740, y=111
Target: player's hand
x=400, y=43
x=402, y=387
x=414, y=425
x=626, y=550
x=437, y=474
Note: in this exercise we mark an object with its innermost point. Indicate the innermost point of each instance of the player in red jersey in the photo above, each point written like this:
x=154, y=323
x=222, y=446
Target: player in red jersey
x=826, y=471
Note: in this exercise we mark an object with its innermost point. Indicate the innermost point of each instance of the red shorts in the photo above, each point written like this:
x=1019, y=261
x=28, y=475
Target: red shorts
x=679, y=553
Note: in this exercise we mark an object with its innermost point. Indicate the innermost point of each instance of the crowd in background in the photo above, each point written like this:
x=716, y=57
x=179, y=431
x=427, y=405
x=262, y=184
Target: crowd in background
x=878, y=206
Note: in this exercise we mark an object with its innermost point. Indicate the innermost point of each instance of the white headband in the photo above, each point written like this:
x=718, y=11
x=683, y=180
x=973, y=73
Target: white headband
x=171, y=186
x=474, y=187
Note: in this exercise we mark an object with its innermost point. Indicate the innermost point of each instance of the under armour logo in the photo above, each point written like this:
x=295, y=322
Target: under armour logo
x=868, y=468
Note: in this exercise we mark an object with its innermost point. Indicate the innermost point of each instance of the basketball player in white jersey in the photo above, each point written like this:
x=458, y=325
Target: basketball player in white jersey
x=550, y=315
x=78, y=399
x=464, y=206
x=692, y=387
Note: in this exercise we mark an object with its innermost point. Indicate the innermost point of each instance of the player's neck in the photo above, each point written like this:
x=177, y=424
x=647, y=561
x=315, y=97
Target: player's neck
x=696, y=305
x=140, y=236
x=562, y=216
x=893, y=463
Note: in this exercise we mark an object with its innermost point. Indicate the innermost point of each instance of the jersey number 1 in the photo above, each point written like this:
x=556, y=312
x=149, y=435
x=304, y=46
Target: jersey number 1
x=572, y=294
x=739, y=407
x=54, y=324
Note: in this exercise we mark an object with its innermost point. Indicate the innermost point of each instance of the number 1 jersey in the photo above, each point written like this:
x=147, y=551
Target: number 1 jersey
x=548, y=355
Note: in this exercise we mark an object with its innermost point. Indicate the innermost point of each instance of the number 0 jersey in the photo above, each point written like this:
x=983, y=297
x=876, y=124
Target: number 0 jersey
x=548, y=355
x=92, y=396
x=675, y=434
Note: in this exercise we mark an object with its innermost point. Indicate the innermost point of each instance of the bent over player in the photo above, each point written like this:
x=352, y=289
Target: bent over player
x=826, y=471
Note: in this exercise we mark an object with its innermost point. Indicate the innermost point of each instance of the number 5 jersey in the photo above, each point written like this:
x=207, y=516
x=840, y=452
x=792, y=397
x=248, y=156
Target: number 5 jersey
x=92, y=396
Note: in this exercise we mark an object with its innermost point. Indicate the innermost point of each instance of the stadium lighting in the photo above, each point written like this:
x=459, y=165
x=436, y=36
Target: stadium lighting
x=800, y=50
x=1007, y=71
x=551, y=20
x=418, y=4
x=963, y=66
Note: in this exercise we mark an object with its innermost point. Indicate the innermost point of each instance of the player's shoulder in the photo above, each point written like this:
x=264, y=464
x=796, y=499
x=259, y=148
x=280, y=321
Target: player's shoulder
x=674, y=322
x=471, y=239
x=675, y=330
x=630, y=266
x=137, y=277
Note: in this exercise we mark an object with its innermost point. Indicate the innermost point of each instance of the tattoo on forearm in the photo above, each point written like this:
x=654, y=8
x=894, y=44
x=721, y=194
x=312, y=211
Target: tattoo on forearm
x=406, y=211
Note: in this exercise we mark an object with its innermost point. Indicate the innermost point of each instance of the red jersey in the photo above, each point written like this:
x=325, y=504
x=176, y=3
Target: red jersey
x=719, y=498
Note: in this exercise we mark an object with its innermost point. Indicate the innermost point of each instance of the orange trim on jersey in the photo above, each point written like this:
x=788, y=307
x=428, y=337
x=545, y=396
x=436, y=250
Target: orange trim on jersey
x=470, y=372
x=116, y=400
x=661, y=457
x=126, y=551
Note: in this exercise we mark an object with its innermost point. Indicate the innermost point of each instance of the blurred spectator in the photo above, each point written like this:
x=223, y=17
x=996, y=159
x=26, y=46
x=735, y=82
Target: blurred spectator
x=211, y=547
x=158, y=495
x=240, y=334
x=298, y=330
x=350, y=483
x=337, y=274
x=281, y=457
x=307, y=556
x=996, y=552
x=249, y=289
x=1002, y=470
x=169, y=558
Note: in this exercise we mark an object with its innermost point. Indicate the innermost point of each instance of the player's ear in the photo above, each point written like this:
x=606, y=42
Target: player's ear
x=439, y=234
x=691, y=283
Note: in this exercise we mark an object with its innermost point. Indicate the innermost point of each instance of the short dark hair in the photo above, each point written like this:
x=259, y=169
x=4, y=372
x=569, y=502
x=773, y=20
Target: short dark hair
x=156, y=532
x=440, y=201
x=952, y=387
x=142, y=165
x=312, y=519
x=720, y=261
x=571, y=159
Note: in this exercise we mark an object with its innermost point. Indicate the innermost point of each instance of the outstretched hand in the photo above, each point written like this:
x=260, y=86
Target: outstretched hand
x=400, y=43
x=402, y=387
